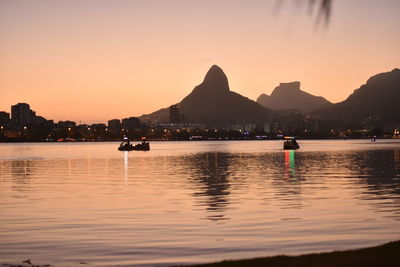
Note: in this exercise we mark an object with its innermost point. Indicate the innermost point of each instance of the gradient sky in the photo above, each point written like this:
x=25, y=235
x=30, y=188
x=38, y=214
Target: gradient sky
x=91, y=61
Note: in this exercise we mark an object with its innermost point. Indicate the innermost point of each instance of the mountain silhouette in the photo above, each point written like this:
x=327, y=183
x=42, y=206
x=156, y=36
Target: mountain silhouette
x=374, y=104
x=289, y=96
x=212, y=103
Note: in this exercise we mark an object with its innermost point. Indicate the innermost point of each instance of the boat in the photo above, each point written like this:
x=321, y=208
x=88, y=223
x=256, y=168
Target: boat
x=290, y=143
x=127, y=146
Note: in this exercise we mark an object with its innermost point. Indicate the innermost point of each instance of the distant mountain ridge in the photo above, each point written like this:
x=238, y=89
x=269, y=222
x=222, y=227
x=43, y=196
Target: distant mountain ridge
x=289, y=96
x=212, y=103
x=375, y=104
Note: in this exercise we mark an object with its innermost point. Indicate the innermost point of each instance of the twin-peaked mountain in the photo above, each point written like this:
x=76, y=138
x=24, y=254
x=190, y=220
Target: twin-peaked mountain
x=212, y=103
x=289, y=96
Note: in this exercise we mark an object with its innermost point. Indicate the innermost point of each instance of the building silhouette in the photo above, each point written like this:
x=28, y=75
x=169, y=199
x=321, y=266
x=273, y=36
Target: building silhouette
x=175, y=114
x=114, y=125
x=66, y=124
x=130, y=123
x=4, y=118
x=21, y=114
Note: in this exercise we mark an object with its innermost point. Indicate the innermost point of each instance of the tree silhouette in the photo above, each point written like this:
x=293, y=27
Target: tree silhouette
x=324, y=9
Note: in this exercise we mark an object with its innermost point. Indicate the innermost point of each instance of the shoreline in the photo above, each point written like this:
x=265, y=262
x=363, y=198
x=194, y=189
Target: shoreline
x=194, y=140
x=385, y=255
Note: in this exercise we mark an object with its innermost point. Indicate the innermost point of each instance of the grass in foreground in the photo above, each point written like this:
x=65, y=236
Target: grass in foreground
x=385, y=255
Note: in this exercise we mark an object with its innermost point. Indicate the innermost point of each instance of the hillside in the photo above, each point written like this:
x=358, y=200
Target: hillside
x=374, y=104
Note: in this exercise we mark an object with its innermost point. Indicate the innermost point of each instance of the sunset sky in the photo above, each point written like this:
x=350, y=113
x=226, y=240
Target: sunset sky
x=92, y=61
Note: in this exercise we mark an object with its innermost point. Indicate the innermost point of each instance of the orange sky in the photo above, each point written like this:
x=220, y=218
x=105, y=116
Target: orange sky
x=92, y=61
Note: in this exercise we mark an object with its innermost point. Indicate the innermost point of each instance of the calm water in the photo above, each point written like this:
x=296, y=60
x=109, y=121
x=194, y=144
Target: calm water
x=189, y=202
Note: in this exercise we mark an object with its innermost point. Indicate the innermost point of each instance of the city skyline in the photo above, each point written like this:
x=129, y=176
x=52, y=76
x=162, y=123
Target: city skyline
x=81, y=61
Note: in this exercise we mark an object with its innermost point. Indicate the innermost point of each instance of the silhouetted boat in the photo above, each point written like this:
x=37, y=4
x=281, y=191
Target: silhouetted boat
x=127, y=146
x=290, y=143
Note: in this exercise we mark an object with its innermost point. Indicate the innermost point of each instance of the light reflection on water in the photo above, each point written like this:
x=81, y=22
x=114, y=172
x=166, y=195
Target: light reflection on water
x=187, y=202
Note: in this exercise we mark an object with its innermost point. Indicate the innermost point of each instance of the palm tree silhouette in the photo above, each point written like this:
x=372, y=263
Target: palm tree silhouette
x=324, y=9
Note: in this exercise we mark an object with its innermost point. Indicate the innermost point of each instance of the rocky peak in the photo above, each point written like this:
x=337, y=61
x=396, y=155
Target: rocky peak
x=285, y=88
x=290, y=96
x=215, y=80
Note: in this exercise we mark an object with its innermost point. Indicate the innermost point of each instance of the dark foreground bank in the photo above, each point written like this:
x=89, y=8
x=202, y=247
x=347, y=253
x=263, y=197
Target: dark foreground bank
x=384, y=255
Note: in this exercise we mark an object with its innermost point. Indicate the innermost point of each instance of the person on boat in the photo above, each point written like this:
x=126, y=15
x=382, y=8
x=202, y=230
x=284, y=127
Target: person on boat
x=295, y=143
x=126, y=144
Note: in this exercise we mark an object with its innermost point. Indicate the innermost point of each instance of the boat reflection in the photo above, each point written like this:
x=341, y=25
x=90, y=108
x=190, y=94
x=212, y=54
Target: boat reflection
x=290, y=164
x=126, y=168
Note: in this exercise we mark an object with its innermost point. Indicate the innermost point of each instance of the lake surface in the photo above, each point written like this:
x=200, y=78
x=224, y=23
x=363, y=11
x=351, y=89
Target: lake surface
x=189, y=202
